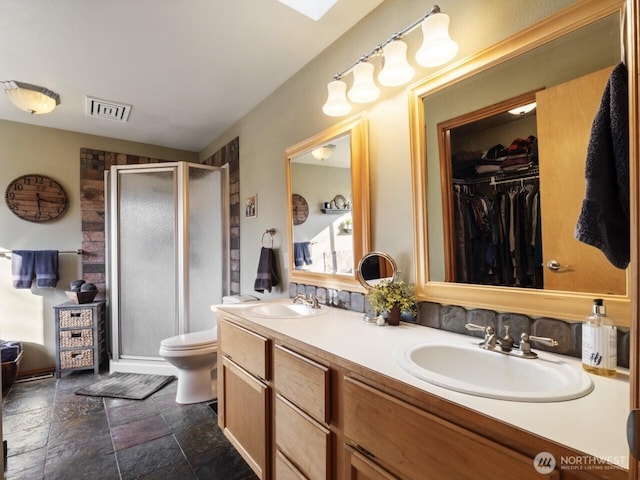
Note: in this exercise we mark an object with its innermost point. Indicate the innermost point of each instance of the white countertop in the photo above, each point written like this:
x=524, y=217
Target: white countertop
x=594, y=424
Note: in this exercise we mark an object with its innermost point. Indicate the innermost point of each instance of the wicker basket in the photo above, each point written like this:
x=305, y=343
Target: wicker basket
x=76, y=358
x=76, y=338
x=82, y=317
x=81, y=297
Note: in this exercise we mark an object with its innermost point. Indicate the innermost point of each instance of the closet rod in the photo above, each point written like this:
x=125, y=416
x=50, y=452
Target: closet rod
x=512, y=180
x=77, y=251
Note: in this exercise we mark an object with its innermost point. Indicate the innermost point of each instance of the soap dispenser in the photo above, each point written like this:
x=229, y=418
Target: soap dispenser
x=599, y=342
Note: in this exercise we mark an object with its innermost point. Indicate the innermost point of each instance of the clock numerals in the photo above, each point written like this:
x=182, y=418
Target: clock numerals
x=36, y=198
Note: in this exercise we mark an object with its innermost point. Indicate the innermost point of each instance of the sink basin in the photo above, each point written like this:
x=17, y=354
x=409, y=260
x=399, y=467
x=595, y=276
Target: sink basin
x=287, y=310
x=472, y=370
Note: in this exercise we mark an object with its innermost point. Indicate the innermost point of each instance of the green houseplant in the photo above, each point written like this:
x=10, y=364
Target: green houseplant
x=393, y=297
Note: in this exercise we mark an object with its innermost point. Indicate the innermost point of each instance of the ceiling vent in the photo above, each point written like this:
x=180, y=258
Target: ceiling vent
x=107, y=109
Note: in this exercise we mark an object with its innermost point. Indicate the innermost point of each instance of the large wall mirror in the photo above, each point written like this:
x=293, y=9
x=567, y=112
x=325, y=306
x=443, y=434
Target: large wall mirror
x=328, y=200
x=462, y=130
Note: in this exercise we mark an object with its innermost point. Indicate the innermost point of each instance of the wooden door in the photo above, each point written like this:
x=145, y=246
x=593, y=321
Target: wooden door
x=360, y=467
x=565, y=113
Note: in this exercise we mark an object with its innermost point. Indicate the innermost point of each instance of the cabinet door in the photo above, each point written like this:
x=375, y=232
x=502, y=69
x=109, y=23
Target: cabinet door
x=285, y=470
x=247, y=349
x=360, y=467
x=416, y=444
x=245, y=414
x=565, y=113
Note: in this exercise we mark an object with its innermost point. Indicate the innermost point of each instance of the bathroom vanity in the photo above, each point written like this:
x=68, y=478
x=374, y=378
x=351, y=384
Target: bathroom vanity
x=324, y=397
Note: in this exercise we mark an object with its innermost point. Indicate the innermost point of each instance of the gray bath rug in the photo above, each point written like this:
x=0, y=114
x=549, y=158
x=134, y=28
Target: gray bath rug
x=134, y=386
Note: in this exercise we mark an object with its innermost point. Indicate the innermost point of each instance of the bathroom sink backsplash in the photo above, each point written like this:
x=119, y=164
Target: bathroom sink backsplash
x=453, y=318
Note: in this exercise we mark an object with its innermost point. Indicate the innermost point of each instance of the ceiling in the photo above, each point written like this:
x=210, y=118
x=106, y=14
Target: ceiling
x=189, y=68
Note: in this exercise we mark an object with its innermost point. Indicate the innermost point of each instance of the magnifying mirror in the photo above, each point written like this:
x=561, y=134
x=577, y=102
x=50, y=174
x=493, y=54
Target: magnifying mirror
x=375, y=267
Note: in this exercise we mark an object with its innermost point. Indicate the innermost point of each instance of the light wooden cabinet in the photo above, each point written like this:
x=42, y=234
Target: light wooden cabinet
x=416, y=444
x=244, y=397
x=359, y=467
x=302, y=413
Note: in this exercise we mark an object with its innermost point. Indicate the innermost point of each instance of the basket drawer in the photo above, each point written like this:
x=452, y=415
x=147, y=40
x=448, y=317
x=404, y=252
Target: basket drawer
x=82, y=317
x=76, y=338
x=76, y=358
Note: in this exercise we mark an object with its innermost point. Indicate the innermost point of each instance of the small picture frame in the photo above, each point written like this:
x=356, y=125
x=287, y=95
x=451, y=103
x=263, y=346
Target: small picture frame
x=251, y=206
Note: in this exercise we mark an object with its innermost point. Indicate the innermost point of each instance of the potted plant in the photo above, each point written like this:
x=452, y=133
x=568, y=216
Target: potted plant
x=392, y=297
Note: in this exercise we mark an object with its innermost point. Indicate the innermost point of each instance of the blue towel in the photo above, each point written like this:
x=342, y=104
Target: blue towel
x=301, y=253
x=47, y=275
x=267, y=277
x=22, y=268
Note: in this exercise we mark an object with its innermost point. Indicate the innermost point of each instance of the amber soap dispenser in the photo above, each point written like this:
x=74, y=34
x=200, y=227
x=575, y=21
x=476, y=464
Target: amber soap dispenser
x=599, y=342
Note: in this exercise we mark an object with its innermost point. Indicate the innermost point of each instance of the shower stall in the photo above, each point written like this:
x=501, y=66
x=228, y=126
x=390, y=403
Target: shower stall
x=167, y=247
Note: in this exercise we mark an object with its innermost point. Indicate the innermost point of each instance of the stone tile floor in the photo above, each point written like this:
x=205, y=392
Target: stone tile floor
x=53, y=434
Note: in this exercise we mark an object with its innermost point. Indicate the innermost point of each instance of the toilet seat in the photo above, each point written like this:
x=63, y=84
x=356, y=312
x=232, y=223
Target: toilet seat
x=191, y=341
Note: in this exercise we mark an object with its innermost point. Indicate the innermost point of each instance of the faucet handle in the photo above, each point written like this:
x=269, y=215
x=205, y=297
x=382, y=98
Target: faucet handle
x=476, y=328
x=544, y=340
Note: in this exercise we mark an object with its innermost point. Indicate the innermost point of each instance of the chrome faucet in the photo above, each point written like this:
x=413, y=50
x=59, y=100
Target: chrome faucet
x=506, y=344
x=310, y=301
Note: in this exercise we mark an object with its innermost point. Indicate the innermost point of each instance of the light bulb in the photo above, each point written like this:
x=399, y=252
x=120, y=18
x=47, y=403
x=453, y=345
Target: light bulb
x=437, y=47
x=396, y=70
x=364, y=88
x=337, y=103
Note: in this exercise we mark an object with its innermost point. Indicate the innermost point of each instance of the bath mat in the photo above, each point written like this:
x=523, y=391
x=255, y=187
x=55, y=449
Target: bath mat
x=134, y=386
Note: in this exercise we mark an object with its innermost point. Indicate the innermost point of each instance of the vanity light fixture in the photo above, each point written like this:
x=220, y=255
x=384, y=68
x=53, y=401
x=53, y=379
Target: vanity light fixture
x=523, y=110
x=437, y=49
x=324, y=152
x=30, y=98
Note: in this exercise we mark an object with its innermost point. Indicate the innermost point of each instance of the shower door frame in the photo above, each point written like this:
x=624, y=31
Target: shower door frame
x=145, y=364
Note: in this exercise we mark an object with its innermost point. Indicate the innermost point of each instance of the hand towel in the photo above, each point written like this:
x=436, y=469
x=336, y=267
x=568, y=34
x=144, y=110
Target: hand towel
x=46, y=267
x=22, y=268
x=604, y=218
x=301, y=253
x=267, y=276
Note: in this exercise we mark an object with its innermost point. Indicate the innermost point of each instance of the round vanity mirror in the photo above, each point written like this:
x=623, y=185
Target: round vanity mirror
x=375, y=267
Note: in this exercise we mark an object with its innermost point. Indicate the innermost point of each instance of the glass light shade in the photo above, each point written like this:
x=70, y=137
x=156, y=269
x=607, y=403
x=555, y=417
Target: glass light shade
x=337, y=103
x=523, y=110
x=396, y=70
x=437, y=47
x=364, y=88
x=324, y=152
x=30, y=98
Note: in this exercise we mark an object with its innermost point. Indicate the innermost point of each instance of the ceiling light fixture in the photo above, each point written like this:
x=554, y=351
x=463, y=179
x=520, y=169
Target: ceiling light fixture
x=322, y=153
x=30, y=98
x=437, y=49
x=523, y=110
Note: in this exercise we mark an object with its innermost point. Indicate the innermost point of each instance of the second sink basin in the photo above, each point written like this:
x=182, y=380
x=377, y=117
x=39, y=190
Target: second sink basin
x=472, y=370
x=287, y=310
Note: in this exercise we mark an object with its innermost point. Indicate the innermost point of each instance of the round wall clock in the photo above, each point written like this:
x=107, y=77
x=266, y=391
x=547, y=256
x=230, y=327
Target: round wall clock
x=36, y=198
x=300, y=209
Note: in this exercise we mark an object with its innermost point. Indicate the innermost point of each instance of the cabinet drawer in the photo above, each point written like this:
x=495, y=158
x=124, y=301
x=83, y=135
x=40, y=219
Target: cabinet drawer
x=73, y=318
x=285, y=470
x=417, y=444
x=359, y=467
x=76, y=338
x=76, y=358
x=303, y=381
x=246, y=348
x=303, y=440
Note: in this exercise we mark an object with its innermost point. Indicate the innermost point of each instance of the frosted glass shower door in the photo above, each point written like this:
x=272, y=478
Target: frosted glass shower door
x=147, y=245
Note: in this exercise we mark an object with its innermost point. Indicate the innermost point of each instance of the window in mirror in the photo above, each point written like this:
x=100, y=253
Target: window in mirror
x=330, y=171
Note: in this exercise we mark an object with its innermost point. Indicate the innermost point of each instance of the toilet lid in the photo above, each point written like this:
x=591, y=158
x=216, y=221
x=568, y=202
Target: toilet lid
x=188, y=341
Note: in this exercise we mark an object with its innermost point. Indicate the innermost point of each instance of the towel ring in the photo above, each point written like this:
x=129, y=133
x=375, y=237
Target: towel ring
x=270, y=231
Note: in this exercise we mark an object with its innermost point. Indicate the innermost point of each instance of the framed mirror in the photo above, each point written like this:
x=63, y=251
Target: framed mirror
x=327, y=177
x=460, y=112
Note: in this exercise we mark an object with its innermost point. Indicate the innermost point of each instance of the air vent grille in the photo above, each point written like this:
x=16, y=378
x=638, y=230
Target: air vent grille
x=107, y=109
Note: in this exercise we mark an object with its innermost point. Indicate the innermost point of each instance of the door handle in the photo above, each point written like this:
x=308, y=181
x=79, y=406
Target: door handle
x=555, y=266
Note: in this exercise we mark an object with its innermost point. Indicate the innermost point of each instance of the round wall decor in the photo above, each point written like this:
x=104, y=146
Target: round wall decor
x=300, y=209
x=36, y=198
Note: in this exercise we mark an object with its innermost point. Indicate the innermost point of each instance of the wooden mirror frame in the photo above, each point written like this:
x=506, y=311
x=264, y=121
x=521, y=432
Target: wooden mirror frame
x=356, y=127
x=554, y=304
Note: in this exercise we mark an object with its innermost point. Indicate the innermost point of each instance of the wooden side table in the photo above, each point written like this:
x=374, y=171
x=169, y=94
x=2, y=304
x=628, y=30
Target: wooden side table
x=80, y=336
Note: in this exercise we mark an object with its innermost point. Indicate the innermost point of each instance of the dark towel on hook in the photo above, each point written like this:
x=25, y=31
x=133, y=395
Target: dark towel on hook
x=23, y=264
x=47, y=275
x=604, y=218
x=267, y=276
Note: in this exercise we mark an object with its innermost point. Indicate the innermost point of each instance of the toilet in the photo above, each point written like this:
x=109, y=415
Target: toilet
x=195, y=356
